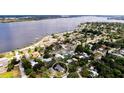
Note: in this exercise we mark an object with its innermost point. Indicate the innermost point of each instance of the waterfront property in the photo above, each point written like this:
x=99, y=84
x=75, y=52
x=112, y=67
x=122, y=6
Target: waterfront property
x=91, y=50
x=3, y=64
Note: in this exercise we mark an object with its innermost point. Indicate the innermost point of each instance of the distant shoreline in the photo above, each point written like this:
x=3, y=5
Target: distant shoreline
x=26, y=20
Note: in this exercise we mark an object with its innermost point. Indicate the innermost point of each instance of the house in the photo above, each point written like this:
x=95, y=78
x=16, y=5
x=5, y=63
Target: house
x=35, y=54
x=98, y=55
x=47, y=59
x=59, y=56
x=59, y=68
x=122, y=51
x=33, y=63
x=26, y=55
x=3, y=63
x=117, y=54
x=94, y=71
x=69, y=60
x=17, y=56
x=84, y=55
x=102, y=48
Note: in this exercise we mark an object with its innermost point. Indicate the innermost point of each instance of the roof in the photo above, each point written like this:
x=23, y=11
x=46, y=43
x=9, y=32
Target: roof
x=3, y=59
x=59, y=68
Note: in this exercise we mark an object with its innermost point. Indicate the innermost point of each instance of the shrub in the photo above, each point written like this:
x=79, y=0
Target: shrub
x=32, y=75
x=10, y=67
x=28, y=71
x=14, y=61
x=79, y=48
x=82, y=62
x=26, y=64
x=72, y=68
x=117, y=73
x=37, y=67
x=85, y=73
x=73, y=75
x=1, y=55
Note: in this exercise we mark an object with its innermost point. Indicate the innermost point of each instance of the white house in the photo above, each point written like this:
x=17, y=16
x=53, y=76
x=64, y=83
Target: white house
x=59, y=56
x=3, y=64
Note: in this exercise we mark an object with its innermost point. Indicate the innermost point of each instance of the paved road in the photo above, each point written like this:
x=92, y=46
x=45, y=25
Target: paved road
x=23, y=75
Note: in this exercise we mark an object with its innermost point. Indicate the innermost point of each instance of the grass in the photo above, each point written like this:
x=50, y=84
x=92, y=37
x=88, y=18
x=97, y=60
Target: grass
x=9, y=55
x=12, y=74
x=7, y=75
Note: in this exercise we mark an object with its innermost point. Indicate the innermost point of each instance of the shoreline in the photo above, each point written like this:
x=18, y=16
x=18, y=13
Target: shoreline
x=36, y=43
x=81, y=49
x=36, y=20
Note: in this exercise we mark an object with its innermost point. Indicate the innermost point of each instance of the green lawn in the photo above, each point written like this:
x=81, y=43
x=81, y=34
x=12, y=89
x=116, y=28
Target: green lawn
x=7, y=75
x=12, y=74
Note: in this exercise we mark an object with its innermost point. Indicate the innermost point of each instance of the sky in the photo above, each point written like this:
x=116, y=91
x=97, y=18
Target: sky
x=62, y=7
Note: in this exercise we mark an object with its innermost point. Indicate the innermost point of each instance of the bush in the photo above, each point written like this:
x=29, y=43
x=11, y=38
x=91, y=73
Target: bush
x=14, y=61
x=37, y=67
x=85, y=73
x=45, y=75
x=32, y=75
x=73, y=75
x=38, y=60
x=117, y=73
x=72, y=68
x=67, y=40
x=46, y=55
x=26, y=64
x=10, y=67
x=1, y=55
x=38, y=49
x=79, y=48
x=49, y=48
x=82, y=62
x=28, y=71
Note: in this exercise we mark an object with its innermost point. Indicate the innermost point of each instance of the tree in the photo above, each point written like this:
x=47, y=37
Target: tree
x=46, y=54
x=28, y=71
x=11, y=64
x=79, y=48
x=104, y=70
x=120, y=60
x=85, y=49
x=38, y=48
x=14, y=61
x=10, y=67
x=26, y=64
x=37, y=67
x=117, y=73
x=39, y=61
x=49, y=48
x=82, y=62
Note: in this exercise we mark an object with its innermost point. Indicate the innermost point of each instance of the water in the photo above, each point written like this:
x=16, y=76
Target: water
x=20, y=34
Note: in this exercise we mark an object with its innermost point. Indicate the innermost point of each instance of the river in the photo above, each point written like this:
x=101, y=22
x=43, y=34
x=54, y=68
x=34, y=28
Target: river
x=20, y=34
